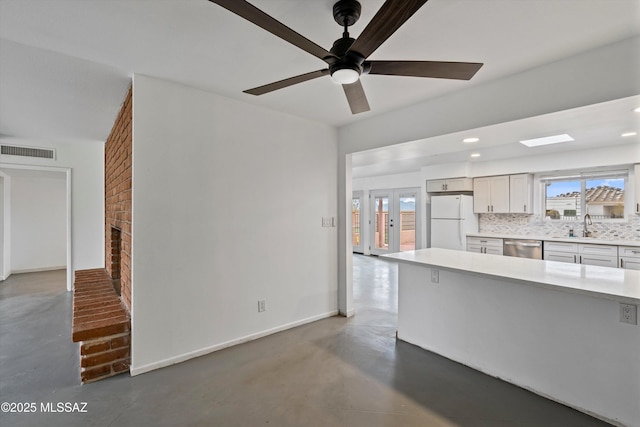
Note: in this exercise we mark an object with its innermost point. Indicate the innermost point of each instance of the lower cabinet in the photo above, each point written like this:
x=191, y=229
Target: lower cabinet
x=560, y=256
x=581, y=253
x=484, y=245
x=629, y=257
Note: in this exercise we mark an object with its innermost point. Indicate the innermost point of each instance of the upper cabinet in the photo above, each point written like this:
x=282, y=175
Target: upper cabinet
x=503, y=194
x=454, y=184
x=636, y=189
x=520, y=193
x=491, y=194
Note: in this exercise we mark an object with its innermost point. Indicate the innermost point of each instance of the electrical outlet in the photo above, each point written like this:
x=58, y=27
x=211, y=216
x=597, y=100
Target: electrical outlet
x=262, y=305
x=435, y=276
x=629, y=314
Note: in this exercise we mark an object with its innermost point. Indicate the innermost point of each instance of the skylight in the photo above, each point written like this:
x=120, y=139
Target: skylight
x=547, y=140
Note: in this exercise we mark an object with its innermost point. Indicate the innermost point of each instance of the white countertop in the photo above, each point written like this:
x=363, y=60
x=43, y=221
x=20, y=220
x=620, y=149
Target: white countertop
x=604, y=282
x=592, y=240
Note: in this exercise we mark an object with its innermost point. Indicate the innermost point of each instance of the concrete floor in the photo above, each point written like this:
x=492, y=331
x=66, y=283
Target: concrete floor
x=334, y=372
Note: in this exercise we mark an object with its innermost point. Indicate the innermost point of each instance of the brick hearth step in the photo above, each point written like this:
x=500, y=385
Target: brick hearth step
x=101, y=324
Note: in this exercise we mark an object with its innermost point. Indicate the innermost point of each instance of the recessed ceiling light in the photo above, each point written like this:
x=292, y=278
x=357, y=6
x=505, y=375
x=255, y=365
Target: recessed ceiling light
x=475, y=154
x=637, y=110
x=624, y=135
x=554, y=139
x=474, y=139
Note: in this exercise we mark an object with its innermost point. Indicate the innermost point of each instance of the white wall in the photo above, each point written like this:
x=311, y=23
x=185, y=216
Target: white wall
x=598, y=75
x=86, y=161
x=228, y=200
x=38, y=220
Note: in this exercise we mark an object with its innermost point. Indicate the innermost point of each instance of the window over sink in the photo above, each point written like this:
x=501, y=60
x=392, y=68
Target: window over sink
x=601, y=194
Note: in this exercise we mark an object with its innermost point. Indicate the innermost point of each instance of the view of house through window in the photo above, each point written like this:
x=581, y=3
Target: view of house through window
x=602, y=197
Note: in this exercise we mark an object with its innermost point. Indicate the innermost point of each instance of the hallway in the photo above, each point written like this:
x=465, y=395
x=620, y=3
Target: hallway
x=334, y=372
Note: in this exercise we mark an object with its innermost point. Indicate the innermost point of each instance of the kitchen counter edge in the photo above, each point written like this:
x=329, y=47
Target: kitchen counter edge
x=588, y=240
x=602, y=282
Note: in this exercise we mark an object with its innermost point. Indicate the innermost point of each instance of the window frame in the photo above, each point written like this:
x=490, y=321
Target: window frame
x=583, y=177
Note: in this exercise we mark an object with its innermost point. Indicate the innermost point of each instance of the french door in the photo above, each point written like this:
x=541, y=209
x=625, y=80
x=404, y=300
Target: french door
x=357, y=203
x=394, y=220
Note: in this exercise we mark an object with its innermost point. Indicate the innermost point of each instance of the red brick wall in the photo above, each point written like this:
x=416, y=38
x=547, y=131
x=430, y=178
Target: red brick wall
x=117, y=190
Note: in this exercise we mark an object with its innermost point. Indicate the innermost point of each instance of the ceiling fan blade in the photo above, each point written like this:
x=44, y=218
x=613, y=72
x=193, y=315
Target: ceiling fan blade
x=261, y=90
x=389, y=18
x=252, y=14
x=356, y=97
x=434, y=69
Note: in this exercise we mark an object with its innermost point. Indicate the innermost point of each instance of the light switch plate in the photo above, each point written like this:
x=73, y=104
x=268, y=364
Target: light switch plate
x=327, y=221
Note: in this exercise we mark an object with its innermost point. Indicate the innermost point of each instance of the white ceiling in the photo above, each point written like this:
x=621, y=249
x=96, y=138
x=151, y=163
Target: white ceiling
x=594, y=126
x=65, y=64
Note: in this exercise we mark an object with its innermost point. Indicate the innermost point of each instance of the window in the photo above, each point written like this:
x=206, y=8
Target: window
x=600, y=194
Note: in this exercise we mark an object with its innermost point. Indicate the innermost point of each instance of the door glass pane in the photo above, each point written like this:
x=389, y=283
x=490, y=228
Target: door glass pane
x=605, y=198
x=381, y=239
x=407, y=223
x=355, y=221
x=563, y=200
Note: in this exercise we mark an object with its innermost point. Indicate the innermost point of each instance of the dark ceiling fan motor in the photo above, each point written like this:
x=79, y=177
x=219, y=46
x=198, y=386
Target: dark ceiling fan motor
x=346, y=13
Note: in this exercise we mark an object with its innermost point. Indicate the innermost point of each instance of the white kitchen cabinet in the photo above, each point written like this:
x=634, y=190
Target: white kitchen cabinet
x=560, y=256
x=484, y=245
x=453, y=184
x=560, y=251
x=561, y=247
x=521, y=193
x=636, y=175
x=491, y=194
x=602, y=255
x=583, y=253
x=601, y=260
x=629, y=257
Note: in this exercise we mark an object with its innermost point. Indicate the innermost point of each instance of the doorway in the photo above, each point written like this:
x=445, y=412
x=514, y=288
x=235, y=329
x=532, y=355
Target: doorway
x=51, y=200
x=394, y=223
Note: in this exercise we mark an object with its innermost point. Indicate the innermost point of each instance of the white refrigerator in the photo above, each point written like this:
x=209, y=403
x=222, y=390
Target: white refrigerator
x=452, y=218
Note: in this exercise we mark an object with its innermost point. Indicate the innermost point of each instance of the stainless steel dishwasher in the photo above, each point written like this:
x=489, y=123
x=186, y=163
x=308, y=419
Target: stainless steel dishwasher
x=522, y=248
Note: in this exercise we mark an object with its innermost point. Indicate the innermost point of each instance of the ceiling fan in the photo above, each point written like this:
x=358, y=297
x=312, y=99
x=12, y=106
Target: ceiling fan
x=347, y=59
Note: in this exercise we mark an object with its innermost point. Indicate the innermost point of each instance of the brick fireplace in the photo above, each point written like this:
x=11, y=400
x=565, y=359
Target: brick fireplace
x=115, y=258
x=102, y=297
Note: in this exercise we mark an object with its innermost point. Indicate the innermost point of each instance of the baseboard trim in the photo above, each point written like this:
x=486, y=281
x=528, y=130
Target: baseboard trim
x=37, y=270
x=349, y=313
x=137, y=370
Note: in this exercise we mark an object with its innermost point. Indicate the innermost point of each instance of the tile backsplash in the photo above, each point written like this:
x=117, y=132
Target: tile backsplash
x=536, y=225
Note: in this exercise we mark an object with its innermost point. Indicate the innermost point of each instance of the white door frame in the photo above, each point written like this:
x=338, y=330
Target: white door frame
x=67, y=172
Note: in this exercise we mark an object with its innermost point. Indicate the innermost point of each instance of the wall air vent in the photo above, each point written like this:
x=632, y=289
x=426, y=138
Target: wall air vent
x=13, y=150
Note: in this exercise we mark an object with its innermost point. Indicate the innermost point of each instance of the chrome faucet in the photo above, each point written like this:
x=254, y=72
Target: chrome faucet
x=585, y=230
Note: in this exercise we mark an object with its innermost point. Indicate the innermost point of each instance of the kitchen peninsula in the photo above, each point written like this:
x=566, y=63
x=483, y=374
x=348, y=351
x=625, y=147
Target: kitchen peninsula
x=553, y=328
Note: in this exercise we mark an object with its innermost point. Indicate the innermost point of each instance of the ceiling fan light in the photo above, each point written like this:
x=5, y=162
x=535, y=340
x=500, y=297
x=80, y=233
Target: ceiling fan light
x=345, y=76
